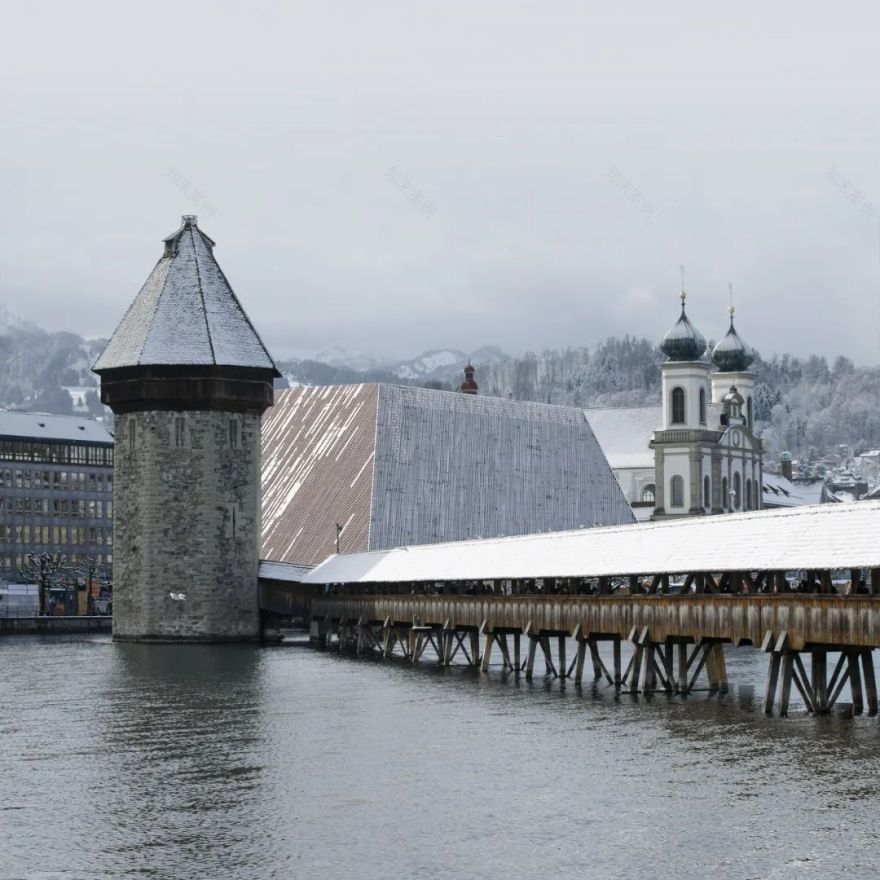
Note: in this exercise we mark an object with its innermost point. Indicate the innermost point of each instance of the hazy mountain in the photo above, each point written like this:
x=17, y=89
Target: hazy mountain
x=803, y=405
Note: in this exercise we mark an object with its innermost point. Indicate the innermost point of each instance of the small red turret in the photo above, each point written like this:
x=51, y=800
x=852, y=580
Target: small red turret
x=469, y=386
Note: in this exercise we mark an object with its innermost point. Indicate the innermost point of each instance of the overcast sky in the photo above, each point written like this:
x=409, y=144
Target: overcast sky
x=397, y=176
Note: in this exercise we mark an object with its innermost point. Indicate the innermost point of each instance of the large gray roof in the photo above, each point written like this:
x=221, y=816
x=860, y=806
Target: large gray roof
x=186, y=313
x=401, y=465
x=41, y=426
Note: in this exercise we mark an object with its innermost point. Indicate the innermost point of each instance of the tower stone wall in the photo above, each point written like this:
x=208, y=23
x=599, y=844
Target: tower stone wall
x=186, y=526
x=187, y=377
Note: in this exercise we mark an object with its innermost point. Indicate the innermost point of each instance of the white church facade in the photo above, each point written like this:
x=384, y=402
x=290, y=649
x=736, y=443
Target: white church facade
x=701, y=456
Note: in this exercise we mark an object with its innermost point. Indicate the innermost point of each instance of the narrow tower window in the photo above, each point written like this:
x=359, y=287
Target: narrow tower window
x=725, y=497
x=737, y=490
x=233, y=433
x=179, y=438
x=702, y=406
x=677, y=492
x=132, y=435
x=678, y=406
x=749, y=412
x=707, y=490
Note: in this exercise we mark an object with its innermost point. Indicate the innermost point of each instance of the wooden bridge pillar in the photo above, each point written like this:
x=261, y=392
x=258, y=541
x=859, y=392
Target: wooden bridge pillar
x=530, y=660
x=854, y=666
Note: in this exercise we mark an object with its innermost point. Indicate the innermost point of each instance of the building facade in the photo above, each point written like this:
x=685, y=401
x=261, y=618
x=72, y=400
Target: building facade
x=702, y=455
x=56, y=492
x=187, y=378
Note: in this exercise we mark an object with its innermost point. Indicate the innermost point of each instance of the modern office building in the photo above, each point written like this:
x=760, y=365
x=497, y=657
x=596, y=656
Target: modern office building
x=56, y=491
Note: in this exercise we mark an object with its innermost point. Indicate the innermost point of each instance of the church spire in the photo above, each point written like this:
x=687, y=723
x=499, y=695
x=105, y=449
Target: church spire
x=731, y=354
x=683, y=342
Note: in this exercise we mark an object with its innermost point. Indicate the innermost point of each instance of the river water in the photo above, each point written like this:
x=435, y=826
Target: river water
x=131, y=761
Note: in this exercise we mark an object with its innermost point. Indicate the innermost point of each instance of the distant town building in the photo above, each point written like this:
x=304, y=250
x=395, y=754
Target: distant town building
x=187, y=378
x=394, y=465
x=696, y=453
x=56, y=491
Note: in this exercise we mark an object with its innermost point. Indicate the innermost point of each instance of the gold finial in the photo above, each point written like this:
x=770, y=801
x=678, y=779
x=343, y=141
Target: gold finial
x=731, y=311
x=682, y=295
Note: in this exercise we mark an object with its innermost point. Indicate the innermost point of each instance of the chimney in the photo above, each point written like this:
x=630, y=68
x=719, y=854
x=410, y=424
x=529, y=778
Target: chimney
x=785, y=465
x=469, y=386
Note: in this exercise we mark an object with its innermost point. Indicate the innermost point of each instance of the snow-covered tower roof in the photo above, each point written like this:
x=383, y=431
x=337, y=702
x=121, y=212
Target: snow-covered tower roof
x=683, y=342
x=186, y=314
x=185, y=343
x=731, y=354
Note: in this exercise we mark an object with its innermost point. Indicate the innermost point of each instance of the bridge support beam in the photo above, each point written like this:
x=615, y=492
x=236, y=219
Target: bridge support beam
x=854, y=667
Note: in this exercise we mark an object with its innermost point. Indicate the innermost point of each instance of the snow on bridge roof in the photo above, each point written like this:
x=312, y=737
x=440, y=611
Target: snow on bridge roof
x=283, y=571
x=818, y=537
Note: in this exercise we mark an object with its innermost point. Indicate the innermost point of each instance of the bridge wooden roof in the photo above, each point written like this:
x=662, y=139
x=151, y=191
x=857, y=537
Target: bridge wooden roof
x=819, y=537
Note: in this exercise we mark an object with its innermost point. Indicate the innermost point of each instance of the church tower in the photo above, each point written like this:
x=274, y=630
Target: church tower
x=187, y=378
x=741, y=451
x=733, y=358
x=682, y=447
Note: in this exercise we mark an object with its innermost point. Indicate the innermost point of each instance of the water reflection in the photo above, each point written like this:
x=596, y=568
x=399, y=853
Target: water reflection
x=188, y=762
x=181, y=729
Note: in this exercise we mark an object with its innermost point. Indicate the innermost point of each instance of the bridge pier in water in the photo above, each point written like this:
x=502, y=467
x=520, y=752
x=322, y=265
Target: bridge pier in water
x=818, y=646
x=786, y=668
x=673, y=666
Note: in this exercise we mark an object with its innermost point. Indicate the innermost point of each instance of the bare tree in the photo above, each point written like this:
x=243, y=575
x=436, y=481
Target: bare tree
x=92, y=572
x=46, y=570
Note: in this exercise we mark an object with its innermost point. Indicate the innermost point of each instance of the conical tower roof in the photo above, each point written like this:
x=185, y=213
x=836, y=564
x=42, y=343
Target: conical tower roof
x=186, y=314
x=731, y=354
x=683, y=342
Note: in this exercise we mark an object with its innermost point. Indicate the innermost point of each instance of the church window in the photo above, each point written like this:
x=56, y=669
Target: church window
x=737, y=491
x=725, y=497
x=749, y=412
x=677, y=491
x=702, y=406
x=748, y=494
x=678, y=417
x=707, y=491
x=648, y=494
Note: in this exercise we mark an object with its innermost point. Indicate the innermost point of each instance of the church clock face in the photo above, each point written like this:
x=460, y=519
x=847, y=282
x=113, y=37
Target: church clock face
x=736, y=438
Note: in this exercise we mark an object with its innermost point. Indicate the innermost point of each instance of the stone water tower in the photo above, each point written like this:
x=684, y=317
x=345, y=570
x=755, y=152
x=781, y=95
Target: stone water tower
x=187, y=378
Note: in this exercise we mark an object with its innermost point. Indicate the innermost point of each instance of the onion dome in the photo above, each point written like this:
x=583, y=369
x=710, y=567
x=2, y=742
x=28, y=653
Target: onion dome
x=732, y=355
x=683, y=342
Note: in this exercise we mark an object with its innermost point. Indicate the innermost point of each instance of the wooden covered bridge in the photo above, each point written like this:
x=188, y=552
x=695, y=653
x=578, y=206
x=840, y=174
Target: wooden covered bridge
x=798, y=583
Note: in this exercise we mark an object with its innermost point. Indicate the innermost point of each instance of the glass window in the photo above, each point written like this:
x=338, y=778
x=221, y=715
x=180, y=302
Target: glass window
x=737, y=491
x=725, y=495
x=678, y=416
x=707, y=490
x=677, y=491
x=649, y=494
x=702, y=406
